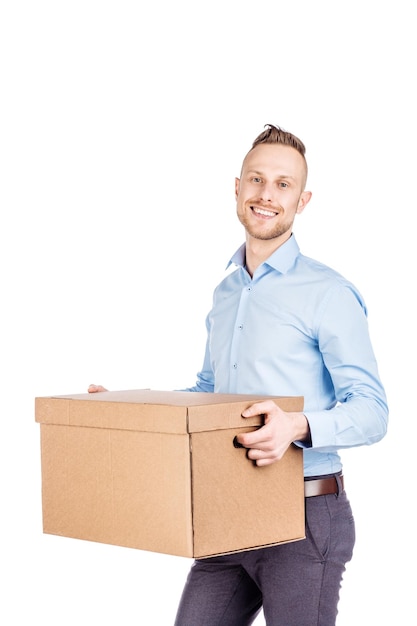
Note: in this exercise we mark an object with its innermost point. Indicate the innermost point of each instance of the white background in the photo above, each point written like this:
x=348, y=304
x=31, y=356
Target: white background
x=123, y=125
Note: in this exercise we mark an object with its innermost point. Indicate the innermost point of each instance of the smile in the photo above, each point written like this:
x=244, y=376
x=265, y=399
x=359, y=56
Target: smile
x=260, y=211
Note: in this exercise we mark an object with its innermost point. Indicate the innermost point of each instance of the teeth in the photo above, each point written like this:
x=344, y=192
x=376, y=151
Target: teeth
x=264, y=212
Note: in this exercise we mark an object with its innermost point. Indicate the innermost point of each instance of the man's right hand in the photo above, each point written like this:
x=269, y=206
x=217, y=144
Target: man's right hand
x=96, y=388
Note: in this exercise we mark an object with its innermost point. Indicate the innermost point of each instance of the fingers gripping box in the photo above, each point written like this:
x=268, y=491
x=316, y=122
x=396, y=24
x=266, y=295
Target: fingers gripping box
x=159, y=471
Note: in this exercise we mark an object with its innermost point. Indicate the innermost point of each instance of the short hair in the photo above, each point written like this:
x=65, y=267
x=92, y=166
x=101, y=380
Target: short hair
x=274, y=134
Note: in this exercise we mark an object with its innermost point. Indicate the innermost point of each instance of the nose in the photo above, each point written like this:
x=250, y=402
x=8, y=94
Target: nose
x=267, y=192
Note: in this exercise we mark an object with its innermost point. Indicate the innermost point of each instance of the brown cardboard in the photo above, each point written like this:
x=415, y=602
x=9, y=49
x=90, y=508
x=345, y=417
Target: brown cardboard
x=158, y=471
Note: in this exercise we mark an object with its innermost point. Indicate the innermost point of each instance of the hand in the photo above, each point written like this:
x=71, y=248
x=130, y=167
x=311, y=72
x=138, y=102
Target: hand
x=96, y=388
x=270, y=442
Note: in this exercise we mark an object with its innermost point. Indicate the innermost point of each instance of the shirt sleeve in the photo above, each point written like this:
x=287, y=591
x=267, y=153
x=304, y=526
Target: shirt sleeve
x=360, y=414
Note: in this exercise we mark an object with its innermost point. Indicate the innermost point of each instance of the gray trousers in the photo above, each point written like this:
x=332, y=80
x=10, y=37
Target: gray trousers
x=296, y=584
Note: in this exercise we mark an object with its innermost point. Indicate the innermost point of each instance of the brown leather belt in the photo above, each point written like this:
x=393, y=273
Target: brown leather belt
x=322, y=486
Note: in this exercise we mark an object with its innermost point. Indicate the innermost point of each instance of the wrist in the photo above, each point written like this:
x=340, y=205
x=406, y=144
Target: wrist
x=301, y=427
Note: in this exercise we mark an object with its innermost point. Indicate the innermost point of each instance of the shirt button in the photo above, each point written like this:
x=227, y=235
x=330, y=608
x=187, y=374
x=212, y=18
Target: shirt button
x=240, y=326
x=235, y=366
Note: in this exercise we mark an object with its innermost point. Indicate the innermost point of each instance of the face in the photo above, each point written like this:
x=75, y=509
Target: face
x=270, y=191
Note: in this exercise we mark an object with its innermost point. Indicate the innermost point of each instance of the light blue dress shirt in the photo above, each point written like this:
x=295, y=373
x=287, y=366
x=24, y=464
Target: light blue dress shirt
x=298, y=328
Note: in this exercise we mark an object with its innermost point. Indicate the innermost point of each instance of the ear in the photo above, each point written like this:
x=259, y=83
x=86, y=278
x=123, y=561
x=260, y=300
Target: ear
x=237, y=184
x=304, y=199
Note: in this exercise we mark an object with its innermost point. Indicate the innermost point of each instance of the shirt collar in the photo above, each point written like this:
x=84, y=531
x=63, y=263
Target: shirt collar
x=281, y=260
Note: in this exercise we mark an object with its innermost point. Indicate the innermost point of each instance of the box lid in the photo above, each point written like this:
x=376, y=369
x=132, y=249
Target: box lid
x=148, y=410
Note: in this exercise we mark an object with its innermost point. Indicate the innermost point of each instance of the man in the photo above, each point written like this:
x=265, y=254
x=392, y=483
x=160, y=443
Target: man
x=284, y=324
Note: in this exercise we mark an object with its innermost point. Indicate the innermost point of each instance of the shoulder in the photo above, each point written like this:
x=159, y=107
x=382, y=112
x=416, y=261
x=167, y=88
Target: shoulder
x=323, y=278
x=321, y=270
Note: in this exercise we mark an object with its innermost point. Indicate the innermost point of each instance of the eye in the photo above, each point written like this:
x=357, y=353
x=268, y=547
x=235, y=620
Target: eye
x=257, y=179
x=283, y=185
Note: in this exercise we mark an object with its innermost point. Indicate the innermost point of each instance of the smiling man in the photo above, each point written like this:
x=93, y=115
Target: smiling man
x=284, y=324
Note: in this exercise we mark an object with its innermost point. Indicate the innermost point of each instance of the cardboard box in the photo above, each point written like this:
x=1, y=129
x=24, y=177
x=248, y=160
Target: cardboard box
x=158, y=471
